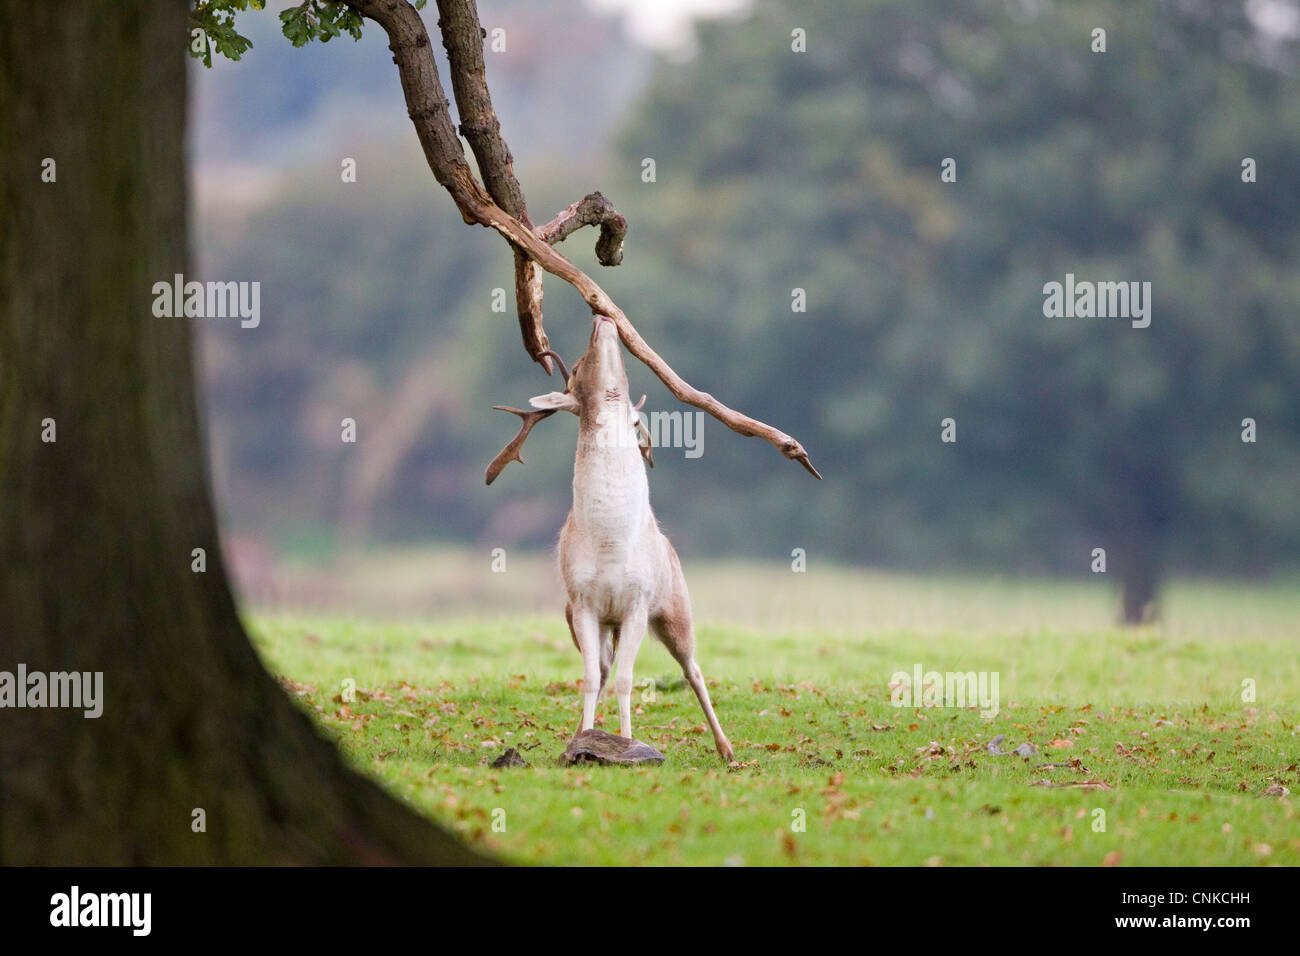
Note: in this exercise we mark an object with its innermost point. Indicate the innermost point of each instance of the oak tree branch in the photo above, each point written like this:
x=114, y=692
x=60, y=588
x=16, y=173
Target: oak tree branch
x=428, y=108
x=462, y=37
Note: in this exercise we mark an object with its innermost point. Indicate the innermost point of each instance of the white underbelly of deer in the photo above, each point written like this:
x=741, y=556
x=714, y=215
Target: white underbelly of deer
x=621, y=574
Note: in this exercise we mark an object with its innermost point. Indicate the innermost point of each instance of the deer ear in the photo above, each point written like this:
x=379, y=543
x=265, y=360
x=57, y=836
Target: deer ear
x=644, y=443
x=556, y=401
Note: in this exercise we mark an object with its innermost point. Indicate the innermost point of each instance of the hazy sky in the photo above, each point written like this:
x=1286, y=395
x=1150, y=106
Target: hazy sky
x=663, y=24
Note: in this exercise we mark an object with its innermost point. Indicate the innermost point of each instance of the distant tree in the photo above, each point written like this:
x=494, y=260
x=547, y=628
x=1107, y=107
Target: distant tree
x=823, y=170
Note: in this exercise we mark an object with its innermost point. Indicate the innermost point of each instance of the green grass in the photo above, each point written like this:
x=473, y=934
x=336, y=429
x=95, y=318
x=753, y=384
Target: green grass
x=1148, y=727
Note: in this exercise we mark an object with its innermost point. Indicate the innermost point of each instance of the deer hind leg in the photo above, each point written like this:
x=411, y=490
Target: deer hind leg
x=631, y=632
x=675, y=630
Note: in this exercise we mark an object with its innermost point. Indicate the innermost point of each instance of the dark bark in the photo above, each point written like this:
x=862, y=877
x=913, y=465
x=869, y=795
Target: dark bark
x=96, y=529
x=462, y=38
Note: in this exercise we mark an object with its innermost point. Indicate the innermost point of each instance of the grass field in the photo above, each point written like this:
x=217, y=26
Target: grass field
x=1147, y=753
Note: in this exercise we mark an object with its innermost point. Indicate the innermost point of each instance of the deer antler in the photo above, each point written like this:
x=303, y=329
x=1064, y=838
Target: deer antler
x=511, y=452
x=531, y=417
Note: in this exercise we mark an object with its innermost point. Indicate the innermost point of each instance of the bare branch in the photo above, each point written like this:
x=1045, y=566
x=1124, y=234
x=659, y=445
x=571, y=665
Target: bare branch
x=462, y=37
x=427, y=105
x=512, y=451
x=591, y=210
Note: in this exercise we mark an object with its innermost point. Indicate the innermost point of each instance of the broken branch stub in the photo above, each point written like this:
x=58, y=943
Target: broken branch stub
x=590, y=210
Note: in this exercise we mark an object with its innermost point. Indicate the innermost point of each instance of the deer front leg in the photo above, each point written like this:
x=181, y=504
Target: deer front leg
x=630, y=635
x=586, y=634
x=607, y=644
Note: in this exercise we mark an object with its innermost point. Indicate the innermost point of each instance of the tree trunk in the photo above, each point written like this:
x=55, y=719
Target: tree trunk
x=98, y=526
x=1137, y=564
x=1138, y=580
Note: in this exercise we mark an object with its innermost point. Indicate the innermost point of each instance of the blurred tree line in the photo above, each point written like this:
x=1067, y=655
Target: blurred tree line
x=820, y=171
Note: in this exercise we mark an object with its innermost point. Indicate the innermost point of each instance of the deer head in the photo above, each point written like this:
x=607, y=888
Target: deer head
x=595, y=390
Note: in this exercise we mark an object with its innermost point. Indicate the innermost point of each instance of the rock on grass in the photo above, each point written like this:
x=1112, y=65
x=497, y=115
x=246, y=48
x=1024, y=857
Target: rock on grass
x=596, y=746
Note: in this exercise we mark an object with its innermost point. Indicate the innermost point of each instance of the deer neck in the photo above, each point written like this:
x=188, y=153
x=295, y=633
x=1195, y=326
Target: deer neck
x=611, y=497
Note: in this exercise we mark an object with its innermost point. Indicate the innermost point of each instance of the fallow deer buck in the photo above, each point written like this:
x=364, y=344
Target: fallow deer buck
x=620, y=572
